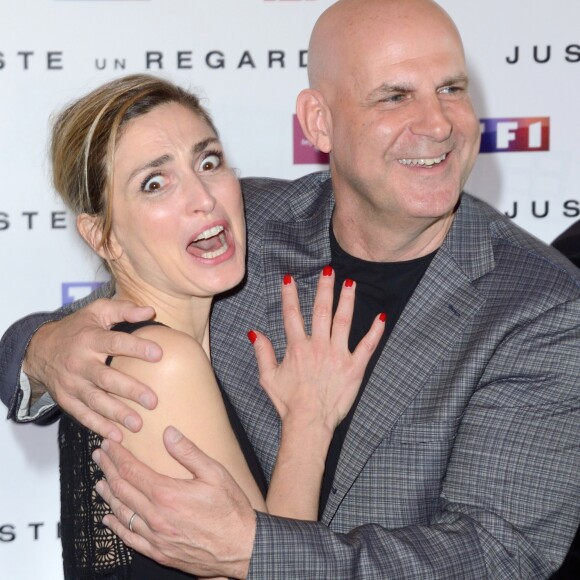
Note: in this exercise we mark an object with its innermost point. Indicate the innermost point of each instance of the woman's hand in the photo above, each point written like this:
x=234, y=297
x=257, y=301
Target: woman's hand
x=318, y=380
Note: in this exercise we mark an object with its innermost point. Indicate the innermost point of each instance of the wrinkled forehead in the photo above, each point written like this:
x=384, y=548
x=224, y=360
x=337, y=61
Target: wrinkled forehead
x=166, y=123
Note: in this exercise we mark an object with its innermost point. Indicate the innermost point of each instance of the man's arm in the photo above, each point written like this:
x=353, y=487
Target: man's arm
x=17, y=397
x=508, y=508
x=13, y=349
x=64, y=353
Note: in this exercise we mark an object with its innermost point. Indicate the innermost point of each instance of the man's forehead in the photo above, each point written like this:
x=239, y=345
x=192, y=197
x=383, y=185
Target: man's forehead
x=382, y=73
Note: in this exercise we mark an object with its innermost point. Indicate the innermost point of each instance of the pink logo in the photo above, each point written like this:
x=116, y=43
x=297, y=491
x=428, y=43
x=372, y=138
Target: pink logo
x=304, y=152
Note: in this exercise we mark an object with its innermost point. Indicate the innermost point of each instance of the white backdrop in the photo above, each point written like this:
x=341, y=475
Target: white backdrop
x=246, y=57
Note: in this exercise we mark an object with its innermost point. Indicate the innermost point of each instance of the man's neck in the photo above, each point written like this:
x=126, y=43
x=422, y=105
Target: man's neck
x=378, y=241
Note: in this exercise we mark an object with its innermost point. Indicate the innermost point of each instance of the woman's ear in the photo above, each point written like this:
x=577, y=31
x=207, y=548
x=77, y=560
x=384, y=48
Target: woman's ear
x=315, y=119
x=89, y=226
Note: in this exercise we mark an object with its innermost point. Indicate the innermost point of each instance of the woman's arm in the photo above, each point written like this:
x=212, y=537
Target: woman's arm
x=189, y=399
x=312, y=389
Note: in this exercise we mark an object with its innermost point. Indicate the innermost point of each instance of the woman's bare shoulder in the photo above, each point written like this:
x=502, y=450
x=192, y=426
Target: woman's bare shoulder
x=182, y=356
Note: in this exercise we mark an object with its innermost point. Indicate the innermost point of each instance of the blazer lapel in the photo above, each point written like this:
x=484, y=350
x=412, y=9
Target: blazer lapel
x=433, y=320
x=301, y=248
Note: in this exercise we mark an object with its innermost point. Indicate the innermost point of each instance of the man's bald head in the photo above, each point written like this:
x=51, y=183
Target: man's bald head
x=350, y=29
x=389, y=100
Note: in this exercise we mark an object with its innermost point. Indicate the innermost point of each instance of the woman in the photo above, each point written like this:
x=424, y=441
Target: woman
x=139, y=162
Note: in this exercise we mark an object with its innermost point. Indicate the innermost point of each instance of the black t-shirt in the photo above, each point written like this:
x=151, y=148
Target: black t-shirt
x=380, y=287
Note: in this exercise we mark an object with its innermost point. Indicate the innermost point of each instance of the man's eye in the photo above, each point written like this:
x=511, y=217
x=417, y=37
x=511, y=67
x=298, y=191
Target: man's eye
x=394, y=98
x=153, y=183
x=451, y=90
x=210, y=162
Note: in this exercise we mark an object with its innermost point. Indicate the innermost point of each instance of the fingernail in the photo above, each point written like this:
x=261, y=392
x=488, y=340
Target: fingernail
x=152, y=353
x=96, y=455
x=173, y=435
x=99, y=487
x=105, y=445
x=115, y=436
x=147, y=401
x=327, y=271
x=131, y=423
x=383, y=317
x=348, y=283
x=287, y=279
x=252, y=336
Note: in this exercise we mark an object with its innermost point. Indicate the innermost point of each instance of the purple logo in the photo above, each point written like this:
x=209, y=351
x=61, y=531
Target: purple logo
x=304, y=152
x=524, y=134
x=72, y=291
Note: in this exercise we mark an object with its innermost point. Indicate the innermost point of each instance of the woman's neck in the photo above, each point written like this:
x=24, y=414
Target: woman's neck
x=188, y=314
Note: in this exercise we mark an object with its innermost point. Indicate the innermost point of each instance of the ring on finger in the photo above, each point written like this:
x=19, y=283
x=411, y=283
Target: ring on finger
x=130, y=526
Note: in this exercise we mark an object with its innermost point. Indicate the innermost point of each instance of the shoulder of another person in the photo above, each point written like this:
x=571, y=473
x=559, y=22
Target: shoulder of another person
x=182, y=355
x=265, y=193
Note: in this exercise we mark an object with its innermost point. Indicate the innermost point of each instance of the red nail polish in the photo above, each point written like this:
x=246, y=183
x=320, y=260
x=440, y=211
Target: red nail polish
x=382, y=317
x=287, y=279
x=252, y=336
x=327, y=271
x=348, y=283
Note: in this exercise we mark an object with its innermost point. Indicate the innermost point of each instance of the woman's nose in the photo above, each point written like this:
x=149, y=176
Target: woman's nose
x=199, y=196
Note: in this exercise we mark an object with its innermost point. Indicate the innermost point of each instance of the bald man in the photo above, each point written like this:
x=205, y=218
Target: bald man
x=460, y=457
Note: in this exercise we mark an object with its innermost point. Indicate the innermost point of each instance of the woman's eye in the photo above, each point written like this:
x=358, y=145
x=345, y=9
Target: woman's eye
x=210, y=162
x=153, y=183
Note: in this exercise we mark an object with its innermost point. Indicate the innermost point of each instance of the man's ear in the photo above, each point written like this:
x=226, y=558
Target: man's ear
x=315, y=119
x=89, y=226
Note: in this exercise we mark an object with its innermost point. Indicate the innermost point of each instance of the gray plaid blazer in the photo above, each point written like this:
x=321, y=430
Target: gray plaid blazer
x=463, y=457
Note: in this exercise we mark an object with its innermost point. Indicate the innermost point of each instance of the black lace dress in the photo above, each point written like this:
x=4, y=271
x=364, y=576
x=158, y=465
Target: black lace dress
x=90, y=549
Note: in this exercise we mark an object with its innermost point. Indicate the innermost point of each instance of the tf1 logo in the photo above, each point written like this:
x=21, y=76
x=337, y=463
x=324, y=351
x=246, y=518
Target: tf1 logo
x=72, y=291
x=515, y=134
x=523, y=134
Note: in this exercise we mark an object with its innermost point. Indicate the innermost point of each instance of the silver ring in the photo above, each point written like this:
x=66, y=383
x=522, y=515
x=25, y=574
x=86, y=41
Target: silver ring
x=130, y=526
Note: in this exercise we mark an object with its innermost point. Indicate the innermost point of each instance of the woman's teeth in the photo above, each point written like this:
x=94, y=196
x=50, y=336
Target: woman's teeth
x=210, y=243
x=222, y=250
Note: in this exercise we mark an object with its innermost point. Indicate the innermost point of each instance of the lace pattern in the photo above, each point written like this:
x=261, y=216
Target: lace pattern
x=90, y=549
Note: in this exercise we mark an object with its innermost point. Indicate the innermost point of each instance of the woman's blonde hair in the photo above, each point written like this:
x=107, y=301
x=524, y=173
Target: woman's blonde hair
x=86, y=133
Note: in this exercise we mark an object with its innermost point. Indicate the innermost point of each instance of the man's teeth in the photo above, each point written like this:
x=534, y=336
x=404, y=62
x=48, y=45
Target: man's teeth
x=209, y=233
x=219, y=251
x=423, y=162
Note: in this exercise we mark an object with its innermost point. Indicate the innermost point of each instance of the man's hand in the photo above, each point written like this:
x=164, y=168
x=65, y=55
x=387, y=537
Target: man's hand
x=204, y=526
x=68, y=358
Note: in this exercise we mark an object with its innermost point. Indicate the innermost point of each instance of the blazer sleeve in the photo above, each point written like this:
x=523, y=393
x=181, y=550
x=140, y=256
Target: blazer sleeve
x=13, y=347
x=510, y=500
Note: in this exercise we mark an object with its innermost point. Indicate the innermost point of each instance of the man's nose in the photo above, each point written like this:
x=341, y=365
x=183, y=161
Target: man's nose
x=431, y=119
